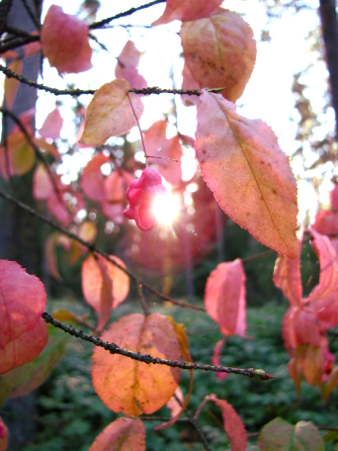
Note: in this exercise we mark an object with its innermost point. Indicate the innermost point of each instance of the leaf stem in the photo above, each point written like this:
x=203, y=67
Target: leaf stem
x=139, y=127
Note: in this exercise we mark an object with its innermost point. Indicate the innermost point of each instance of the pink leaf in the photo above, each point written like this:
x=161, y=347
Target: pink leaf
x=24, y=348
x=52, y=125
x=327, y=311
x=225, y=297
x=173, y=405
x=189, y=84
x=219, y=51
x=64, y=40
x=116, y=185
x=186, y=10
x=92, y=180
x=300, y=326
x=326, y=222
x=216, y=358
x=328, y=277
x=92, y=281
x=233, y=425
x=129, y=56
x=334, y=197
x=22, y=301
x=129, y=73
x=109, y=113
x=3, y=436
x=42, y=185
x=123, y=434
x=33, y=47
x=170, y=170
x=287, y=277
x=248, y=173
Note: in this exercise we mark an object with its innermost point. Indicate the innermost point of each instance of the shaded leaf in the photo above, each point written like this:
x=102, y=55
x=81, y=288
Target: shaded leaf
x=225, y=297
x=109, y=113
x=24, y=348
x=330, y=384
x=248, y=173
x=106, y=294
x=300, y=326
x=219, y=51
x=92, y=280
x=23, y=380
x=11, y=84
x=137, y=387
x=312, y=362
x=64, y=41
x=22, y=301
x=331, y=436
x=3, y=436
x=279, y=435
x=54, y=240
x=187, y=10
x=123, y=434
x=233, y=425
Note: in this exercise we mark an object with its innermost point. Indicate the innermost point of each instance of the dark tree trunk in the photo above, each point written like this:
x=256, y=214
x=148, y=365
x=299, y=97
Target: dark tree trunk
x=328, y=17
x=18, y=231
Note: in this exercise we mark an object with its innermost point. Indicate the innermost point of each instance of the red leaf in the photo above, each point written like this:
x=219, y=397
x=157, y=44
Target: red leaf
x=3, y=436
x=123, y=434
x=328, y=277
x=286, y=276
x=233, y=425
x=187, y=10
x=116, y=185
x=225, y=297
x=109, y=113
x=66, y=208
x=92, y=280
x=64, y=40
x=52, y=125
x=334, y=197
x=300, y=326
x=106, y=294
x=216, y=358
x=22, y=301
x=248, y=173
x=92, y=180
x=24, y=348
x=219, y=51
x=33, y=47
x=170, y=170
x=327, y=311
x=326, y=222
x=137, y=387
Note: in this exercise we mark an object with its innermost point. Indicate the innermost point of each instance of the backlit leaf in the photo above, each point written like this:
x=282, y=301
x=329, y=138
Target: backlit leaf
x=23, y=380
x=130, y=386
x=64, y=40
x=248, y=173
x=92, y=180
x=225, y=297
x=42, y=184
x=279, y=435
x=187, y=10
x=123, y=434
x=286, y=276
x=109, y=113
x=22, y=301
x=326, y=222
x=233, y=425
x=219, y=51
x=24, y=348
x=92, y=280
x=106, y=294
x=52, y=125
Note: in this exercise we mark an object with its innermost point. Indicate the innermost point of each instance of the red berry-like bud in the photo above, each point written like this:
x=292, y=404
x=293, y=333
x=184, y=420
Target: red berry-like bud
x=140, y=195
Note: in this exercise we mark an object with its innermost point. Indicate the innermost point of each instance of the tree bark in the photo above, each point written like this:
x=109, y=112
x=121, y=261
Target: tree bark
x=329, y=24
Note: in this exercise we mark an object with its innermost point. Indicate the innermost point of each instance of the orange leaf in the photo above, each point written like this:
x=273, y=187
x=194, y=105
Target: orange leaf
x=92, y=280
x=225, y=297
x=137, y=387
x=286, y=276
x=54, y=240
x=187, y=10
x=248, y=173
x=106, y=294
x=11, y=84
x=22, y=301
x=219, y=51
x=233, y=425
x=123, y=434
x=109, y=113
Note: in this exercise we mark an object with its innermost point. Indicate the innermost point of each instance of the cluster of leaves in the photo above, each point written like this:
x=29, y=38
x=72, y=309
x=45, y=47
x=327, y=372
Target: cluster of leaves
x=252, y=182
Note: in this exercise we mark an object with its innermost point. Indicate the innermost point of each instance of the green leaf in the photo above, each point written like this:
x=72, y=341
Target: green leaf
x=21, y=381
x=279, y=435
x=330, y=436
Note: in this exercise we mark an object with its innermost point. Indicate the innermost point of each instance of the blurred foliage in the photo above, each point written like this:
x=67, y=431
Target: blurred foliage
x=70, y=415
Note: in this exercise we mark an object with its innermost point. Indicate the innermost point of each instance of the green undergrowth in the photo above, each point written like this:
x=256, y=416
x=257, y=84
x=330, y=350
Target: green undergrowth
x=70, y=414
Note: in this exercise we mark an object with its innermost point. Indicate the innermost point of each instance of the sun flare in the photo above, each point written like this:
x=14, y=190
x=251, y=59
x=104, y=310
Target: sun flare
x=166, y=208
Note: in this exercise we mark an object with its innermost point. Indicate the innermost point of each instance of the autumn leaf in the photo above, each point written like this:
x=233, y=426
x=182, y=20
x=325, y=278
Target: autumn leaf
x=219, y=51
x=130, y=386
x=286, y=276
x=216, y=358
x=233, y=425
x=22, y=301
x=52, y=125
x=54, y=240
x=64, y=41
x=42, y=184
x=225, y=297
x=187, y=10
x=11, y=84
x=109, y=113
x=126, y=67
x=92, y=180
x=123, y=434
x=249, y=175
x=3, y=436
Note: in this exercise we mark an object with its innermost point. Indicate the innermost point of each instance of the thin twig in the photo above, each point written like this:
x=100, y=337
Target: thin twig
x=31, y=15
x=253, y=258
x=147, y=358
x=130, y=11
x=19, y=42
x=139, y=127
x=142, y=299
x=93, y=248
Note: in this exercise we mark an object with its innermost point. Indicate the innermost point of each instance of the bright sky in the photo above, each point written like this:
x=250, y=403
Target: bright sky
x=267, y=96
